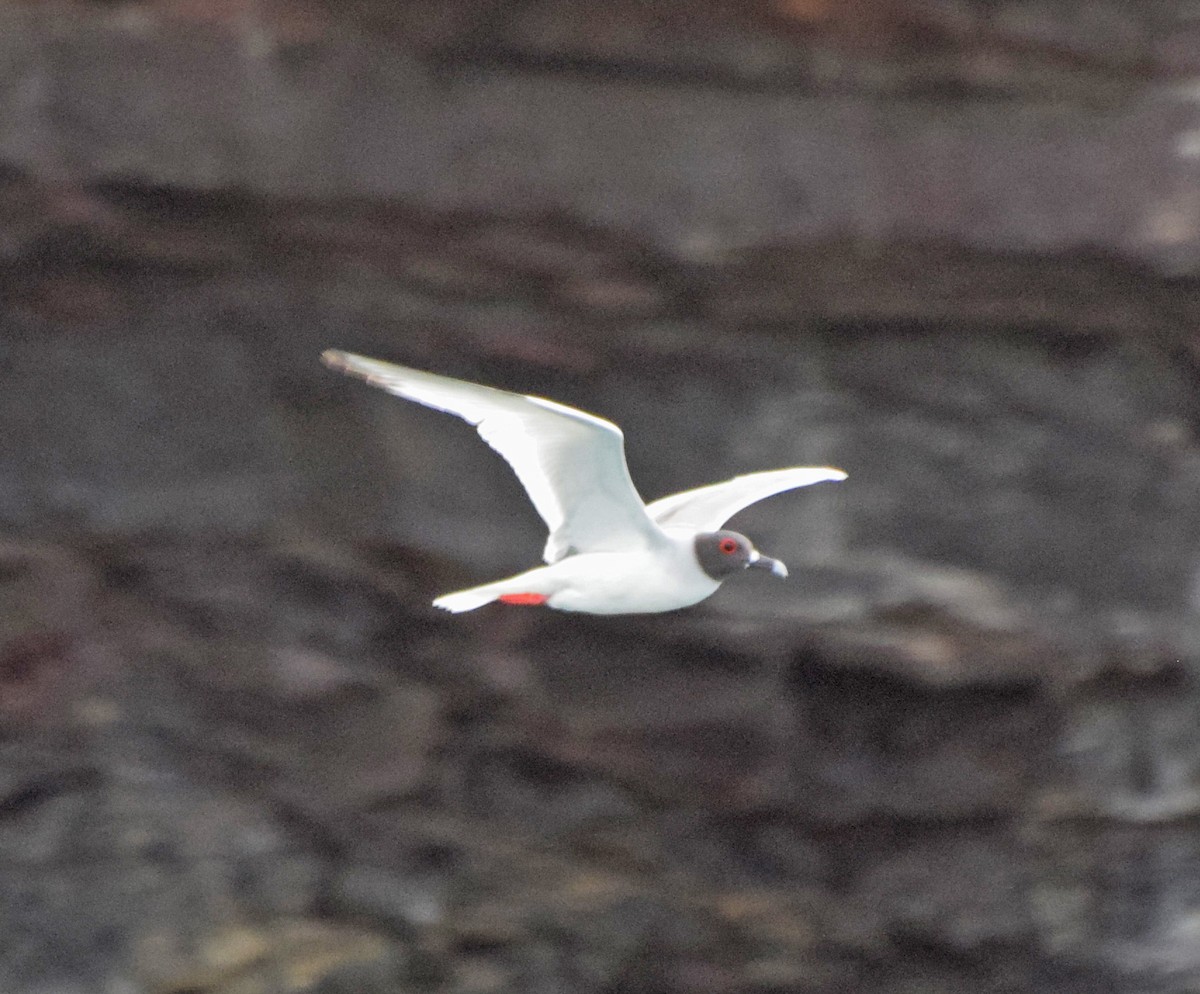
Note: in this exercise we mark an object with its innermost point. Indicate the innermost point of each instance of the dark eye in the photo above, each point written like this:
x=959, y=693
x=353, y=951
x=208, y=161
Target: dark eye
x=727, y=546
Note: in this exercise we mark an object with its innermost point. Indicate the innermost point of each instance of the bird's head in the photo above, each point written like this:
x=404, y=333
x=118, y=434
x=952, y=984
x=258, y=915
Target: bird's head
x=721, y=554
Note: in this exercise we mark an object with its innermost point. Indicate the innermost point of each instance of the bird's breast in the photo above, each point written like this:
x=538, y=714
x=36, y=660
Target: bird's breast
x=645, y=581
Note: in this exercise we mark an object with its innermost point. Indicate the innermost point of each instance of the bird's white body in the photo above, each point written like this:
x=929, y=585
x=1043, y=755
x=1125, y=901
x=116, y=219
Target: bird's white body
x=641, y=581
x=608, y=552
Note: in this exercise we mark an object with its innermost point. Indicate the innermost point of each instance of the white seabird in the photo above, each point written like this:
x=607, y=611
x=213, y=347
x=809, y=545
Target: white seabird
x=608, y=552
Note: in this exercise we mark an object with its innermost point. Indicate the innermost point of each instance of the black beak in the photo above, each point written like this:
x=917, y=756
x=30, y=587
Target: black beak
x=771, y=565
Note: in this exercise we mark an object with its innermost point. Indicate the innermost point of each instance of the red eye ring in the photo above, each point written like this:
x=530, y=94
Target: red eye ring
x=728, y=546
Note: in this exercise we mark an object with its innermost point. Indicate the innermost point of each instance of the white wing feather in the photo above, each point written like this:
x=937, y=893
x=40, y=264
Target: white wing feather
x=572, y=464
x=708, y=508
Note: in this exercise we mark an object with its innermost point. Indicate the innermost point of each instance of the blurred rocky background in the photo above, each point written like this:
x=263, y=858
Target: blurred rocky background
x=952, y=246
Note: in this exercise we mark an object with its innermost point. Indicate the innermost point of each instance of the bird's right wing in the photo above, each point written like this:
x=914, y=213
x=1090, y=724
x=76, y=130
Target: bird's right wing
x=708, y=508
x=572, y=464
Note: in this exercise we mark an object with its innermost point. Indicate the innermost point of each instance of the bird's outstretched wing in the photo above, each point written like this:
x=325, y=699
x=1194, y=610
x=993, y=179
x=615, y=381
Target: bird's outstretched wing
x=571, y=464
x=708, y=508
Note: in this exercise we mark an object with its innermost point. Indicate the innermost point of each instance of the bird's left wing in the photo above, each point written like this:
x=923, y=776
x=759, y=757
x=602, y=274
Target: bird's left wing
x=708, y=508
x=571, y=463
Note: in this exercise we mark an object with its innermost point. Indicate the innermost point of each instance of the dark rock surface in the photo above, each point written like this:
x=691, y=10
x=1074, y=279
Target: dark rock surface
x=952, y=247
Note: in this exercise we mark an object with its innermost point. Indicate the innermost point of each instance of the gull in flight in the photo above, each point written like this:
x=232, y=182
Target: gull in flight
x=608, y=552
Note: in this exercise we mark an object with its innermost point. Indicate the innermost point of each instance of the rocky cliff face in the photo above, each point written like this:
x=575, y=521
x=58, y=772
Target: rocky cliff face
x=951, y=247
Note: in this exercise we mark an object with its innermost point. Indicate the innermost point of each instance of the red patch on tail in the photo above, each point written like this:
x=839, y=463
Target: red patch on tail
x=524, y=598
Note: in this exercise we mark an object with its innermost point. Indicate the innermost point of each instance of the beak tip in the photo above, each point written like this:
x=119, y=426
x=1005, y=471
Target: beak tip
x=779, y=569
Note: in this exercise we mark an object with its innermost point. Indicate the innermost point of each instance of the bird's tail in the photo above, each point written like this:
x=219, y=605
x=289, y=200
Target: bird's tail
x=531, y=587
x=469, y=600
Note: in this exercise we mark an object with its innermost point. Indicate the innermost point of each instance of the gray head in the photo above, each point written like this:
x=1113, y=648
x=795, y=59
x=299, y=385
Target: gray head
x=721, y=554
